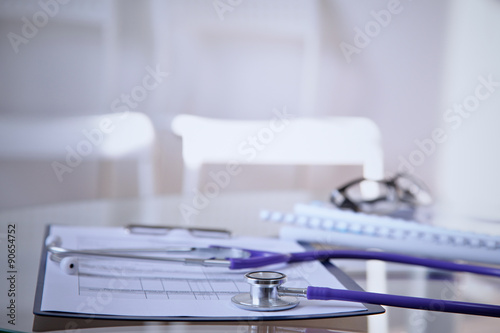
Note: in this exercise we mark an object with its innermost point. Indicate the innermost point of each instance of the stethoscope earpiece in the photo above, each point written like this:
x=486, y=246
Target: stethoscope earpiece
x=69, y=265
x=53, y=241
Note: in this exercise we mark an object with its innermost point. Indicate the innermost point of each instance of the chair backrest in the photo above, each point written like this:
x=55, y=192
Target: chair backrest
x=67, y=142
x=284, y=141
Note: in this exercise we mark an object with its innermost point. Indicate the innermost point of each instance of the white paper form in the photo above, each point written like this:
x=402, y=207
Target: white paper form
x=162, y=290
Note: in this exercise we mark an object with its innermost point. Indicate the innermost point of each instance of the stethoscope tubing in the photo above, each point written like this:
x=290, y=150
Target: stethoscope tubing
x=321, y=293
x=392, y=257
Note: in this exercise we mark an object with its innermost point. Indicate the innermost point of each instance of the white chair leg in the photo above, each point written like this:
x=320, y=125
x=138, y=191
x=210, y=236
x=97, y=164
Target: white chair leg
x=145, y=178
x=190, y=181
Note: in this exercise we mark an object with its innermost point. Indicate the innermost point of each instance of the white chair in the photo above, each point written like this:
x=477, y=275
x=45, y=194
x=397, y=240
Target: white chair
x=278, y=141
x=284, y=141
x=68, y=142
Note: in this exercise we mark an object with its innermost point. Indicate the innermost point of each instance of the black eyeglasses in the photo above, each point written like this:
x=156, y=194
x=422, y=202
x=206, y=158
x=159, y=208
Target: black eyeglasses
x=381, y=196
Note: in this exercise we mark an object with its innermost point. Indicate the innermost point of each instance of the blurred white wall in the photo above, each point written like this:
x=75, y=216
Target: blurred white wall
x=382, y=59
x=468, y=181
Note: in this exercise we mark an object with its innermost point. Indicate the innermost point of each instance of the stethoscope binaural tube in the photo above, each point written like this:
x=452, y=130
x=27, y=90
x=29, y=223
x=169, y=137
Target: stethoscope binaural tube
x=68, y=258
x=269, y=299
x=234, y=258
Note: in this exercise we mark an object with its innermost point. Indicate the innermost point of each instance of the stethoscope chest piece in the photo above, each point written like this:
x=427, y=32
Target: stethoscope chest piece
x=263, y=294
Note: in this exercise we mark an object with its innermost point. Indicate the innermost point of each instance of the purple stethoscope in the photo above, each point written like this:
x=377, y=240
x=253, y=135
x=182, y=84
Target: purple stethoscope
x=266, y=292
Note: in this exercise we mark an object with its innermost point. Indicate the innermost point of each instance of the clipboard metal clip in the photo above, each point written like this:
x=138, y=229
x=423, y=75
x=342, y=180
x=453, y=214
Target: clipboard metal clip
x=154, y=230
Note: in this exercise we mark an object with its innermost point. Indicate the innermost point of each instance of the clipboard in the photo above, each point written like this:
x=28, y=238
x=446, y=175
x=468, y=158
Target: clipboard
x=335, y=272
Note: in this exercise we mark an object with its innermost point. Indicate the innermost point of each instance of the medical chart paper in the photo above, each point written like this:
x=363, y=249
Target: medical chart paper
x=162, y=291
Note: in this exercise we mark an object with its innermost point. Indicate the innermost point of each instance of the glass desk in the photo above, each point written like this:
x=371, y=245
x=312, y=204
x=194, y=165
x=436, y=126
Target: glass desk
x=239, y=213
